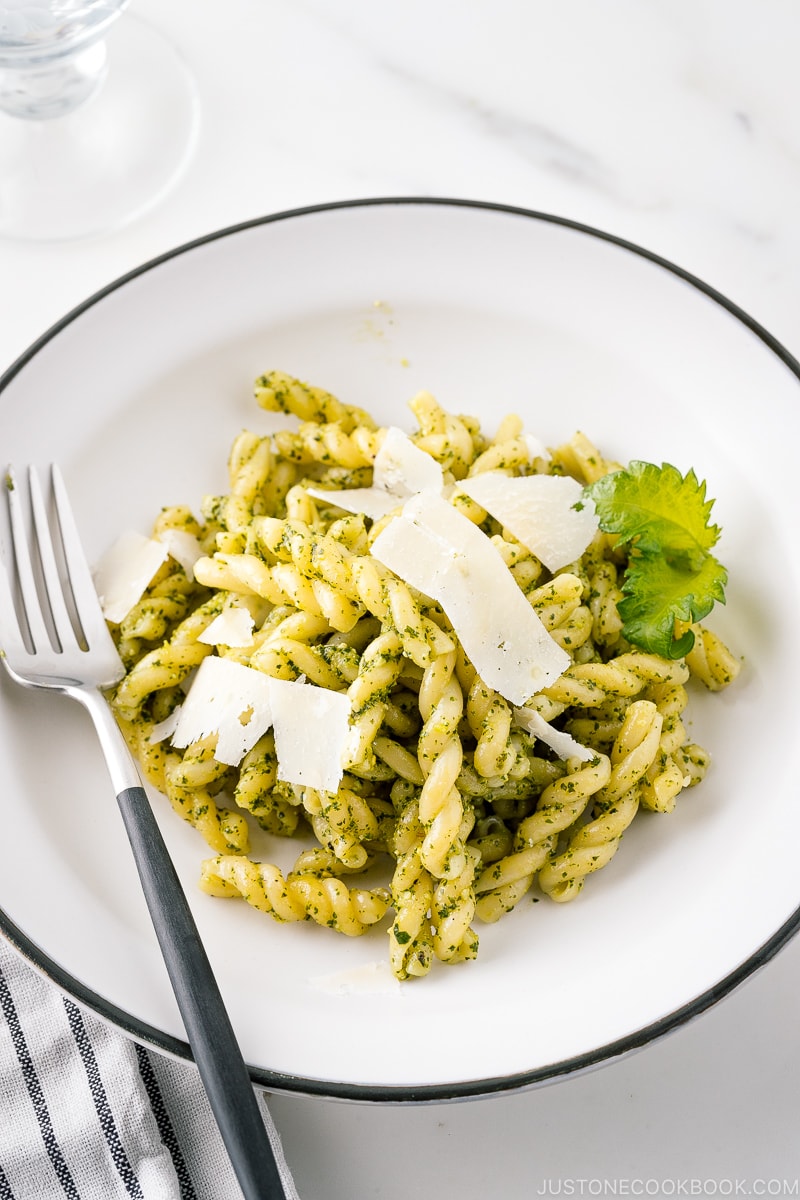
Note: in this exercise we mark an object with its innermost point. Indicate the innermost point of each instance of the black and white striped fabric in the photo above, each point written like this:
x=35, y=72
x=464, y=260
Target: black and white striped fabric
x=88, y=1114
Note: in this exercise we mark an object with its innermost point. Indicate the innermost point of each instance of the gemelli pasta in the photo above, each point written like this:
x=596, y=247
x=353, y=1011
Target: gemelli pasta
x=454, y=797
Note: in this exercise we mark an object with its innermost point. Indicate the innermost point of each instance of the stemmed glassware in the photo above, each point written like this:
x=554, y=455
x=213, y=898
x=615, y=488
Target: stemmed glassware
x=98, y=118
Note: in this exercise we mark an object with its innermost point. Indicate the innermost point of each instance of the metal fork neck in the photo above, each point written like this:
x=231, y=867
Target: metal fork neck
x=121, y=765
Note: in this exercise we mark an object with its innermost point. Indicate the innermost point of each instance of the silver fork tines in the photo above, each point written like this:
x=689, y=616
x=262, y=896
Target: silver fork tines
x=57, y=632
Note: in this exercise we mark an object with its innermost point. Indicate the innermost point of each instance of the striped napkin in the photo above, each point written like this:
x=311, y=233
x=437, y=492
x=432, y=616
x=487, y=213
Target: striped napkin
x=88, y=1114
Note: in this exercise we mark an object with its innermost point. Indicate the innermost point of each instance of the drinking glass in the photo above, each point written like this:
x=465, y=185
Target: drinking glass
x=98, y=117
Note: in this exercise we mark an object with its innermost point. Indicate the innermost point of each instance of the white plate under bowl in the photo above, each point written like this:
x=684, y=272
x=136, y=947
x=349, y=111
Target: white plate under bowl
x=139, y=393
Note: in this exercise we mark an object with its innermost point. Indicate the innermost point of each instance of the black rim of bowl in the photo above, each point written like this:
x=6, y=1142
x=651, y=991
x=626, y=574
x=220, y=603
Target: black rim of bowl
x=463, y=1089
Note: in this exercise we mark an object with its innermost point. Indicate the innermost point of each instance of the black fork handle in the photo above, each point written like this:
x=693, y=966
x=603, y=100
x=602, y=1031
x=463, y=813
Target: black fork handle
x=208, y=1027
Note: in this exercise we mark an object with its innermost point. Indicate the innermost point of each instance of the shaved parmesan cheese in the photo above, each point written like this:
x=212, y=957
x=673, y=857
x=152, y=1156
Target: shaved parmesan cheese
x=400, y=470
x=239, y=704
x=164, y=729
x=563, y=744
x=311, y=728
x=183, y=547
x=124, y=571
x=547, y=513
x=438, y=551
x=227, y=699
x=371, y=501
x=536, y=449
x=233, y=627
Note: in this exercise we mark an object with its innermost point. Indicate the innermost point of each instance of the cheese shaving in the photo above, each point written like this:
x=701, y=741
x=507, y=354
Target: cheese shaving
x=164, y=729
x=563, y=744
x=183, y=547
x=233, y=627
x=122, y=574
x=547, y=513
x=311, y=727
x=400, y=471
x=536, y=448
x=227, y=699
x=370, y=501
x=239, y=704
x=438, y=551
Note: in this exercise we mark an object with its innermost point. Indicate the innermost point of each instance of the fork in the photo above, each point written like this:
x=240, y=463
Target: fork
x=54, y=636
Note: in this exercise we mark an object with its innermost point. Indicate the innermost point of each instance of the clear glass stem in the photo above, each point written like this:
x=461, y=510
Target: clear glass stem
x=38, y=91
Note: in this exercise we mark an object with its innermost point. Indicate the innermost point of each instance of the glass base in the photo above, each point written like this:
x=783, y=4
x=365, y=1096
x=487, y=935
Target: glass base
x=110, y=160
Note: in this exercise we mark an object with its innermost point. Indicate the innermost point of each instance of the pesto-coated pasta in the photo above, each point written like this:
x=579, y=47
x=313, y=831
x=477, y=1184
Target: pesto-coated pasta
x=450, y=810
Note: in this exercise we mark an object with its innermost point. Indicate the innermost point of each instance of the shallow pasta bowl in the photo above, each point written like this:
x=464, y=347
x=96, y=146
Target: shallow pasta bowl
x=139, y=392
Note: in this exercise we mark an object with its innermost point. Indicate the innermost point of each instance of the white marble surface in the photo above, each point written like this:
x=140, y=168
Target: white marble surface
x=672, y=123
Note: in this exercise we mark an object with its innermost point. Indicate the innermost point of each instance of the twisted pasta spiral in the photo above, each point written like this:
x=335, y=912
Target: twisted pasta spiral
x=369, y=693
x=710, y=660
x=342, y=821
x=298, y=896
x=168, y=664
x=593, y=845
x=278, y=392
x=586, y=685
x=451, y=440
x=411, y=935
x=440, y=755
x=275, y=807
x=190, y=781
x=453, y=905
x=489, y=717
x=501, y=886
